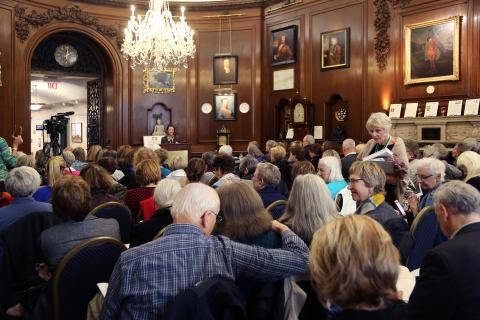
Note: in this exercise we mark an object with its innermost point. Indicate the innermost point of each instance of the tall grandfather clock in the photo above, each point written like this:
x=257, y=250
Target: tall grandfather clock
x=302, y=117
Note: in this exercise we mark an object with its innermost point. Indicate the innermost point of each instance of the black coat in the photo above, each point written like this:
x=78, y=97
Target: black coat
x=449, y=282
x=347, y=163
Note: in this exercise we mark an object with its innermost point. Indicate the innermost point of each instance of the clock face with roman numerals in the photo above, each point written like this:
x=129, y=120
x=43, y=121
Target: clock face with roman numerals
x=66, y=55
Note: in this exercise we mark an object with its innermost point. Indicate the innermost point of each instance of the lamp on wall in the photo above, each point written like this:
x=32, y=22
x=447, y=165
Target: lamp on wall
x=35, y=106
x=157, y=41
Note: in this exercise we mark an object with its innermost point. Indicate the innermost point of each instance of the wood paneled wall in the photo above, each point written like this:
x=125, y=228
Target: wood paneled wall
x=362, y=84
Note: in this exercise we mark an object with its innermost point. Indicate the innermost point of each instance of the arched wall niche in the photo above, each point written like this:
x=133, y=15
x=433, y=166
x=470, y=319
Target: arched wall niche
x=113, y=71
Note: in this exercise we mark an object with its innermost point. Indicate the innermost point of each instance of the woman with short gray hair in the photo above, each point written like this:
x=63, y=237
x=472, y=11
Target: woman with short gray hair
x=21, y=183
x=247, y=167
x=379, y=125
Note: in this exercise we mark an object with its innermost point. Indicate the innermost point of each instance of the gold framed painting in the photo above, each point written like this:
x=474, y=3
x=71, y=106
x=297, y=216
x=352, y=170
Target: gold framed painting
x=432, y=51
x=158, y=81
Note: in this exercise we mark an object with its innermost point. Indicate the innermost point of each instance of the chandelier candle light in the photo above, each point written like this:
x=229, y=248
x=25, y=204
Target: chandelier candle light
x=157, y=41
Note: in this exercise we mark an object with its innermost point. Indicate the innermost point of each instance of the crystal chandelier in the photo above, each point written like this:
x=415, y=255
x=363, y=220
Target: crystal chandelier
x=157, y=41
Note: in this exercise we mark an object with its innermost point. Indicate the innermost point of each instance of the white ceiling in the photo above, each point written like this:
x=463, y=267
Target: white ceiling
x=60, y=93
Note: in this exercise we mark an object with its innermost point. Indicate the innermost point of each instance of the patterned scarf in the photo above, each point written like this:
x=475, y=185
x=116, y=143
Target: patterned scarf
x=370, y=204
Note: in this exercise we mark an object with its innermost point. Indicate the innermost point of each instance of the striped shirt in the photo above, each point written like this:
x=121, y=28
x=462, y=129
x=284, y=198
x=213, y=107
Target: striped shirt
x=145, y=278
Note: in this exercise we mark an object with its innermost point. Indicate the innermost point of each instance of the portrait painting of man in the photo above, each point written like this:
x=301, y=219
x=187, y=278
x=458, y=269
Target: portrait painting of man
x=335, y=49
x=283, y=45
x=432, y=51
x=225, y=106
x=225, y=69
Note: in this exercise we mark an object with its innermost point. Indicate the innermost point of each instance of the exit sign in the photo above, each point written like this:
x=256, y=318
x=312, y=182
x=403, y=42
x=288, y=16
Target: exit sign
x=52, y=85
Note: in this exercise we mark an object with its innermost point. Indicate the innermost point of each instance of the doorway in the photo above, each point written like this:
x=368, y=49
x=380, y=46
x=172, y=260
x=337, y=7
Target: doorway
x=68, y=70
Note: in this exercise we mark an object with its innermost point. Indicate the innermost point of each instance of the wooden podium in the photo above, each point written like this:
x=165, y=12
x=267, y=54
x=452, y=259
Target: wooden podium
x=177, y=149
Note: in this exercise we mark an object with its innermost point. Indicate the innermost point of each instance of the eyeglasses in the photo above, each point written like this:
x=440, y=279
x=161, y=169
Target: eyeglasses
x=424, y=177
x=218, y=217
x=353, y=181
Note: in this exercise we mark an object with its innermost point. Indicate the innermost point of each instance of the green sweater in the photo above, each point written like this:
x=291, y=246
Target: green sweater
x=7, y=160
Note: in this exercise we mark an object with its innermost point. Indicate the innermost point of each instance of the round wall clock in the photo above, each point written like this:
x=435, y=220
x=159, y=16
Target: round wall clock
x=206, y=108
x=66, y=55
x=299, y=113
x=244, y=107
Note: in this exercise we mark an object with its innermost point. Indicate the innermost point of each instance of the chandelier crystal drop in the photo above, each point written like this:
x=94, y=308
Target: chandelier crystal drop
x=157, y=41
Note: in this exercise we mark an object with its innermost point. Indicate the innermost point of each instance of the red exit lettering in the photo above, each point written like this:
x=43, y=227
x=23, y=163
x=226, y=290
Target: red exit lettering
x=52, y=85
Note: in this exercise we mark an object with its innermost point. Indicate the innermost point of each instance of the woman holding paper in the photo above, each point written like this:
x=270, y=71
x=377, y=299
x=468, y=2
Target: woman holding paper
x=379, y=125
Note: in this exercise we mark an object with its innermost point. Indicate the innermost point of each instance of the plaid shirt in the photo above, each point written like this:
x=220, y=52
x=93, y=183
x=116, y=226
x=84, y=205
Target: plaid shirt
x=7, y=160
x=147, y=277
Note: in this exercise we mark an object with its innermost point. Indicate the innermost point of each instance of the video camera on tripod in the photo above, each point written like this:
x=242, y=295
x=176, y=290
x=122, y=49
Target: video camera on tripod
x=55, y=127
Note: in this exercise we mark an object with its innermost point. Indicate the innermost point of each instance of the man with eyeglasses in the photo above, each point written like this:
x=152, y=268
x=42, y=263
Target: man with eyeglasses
x=146, y=277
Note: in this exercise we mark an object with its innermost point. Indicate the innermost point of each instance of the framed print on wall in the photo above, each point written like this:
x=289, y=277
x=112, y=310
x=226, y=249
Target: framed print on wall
x=77, y=132
x=225, y=69
x=432, y=51
x=283, y=46
x=335, y=49
x=158, y=81
x=225, y=106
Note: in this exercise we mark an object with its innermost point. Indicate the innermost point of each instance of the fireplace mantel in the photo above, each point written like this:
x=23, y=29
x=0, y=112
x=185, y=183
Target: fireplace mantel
x=447, y=130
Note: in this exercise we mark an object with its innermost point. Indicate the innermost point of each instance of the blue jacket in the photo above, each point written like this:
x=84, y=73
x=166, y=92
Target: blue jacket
x=20, y=207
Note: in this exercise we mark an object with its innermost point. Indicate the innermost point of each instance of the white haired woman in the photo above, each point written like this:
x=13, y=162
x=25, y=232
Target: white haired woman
x=469, y=163
x=310, y=206
x=164, y=193
x=379, y=125
x=430, y=174
x=330, y=170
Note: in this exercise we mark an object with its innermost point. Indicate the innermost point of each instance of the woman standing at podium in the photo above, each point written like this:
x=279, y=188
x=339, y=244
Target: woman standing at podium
x=170, y=137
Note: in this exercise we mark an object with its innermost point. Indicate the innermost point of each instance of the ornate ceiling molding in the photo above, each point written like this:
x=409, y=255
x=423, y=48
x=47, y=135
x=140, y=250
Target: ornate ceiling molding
x=193, y=6
x=382, y=24
x=66, y=14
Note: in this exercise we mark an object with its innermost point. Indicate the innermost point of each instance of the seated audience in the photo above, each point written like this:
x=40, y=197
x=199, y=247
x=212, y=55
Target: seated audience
x=187, y=254
x=254, y=151
x=227, y=149
x=247, y=167
x=329, y=169
x=309, y=206
x=224, y=166
x=101, y=185
x=147, y=173
x=314, y=153
x=447, y=287
x=208, y=158
x=430, y=173
x=69, y=158
x=354, y=267
x=94, y=153
x=54, y=171
x=71, y=203
x=366, y=183
x=265, y=180
x=468, y=144
x=469, y=163
x=440, y=152
x=162, y=155
x=145, y=231
x=349, y=155
x=26, y=160
x=302, y=167
x=130, y=180
x=295, y=152
x=195, y=170
x=178, y=166
x=21, y=183
x=125, y=158
x=331, y=153
x=244, y=218
x=269, y=145
x=80, y=158
x=110, y=164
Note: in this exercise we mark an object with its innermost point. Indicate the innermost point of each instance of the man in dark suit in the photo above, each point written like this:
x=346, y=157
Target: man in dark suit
x=449, y=282
x=349, y=156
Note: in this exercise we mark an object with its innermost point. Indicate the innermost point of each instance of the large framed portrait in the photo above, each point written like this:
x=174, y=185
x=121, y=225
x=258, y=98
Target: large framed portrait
x=335, y=49
x=225, y=106
x=158, y=81
x=76, y=134
x=225, y=69
x=283, y=46
x=432, y=51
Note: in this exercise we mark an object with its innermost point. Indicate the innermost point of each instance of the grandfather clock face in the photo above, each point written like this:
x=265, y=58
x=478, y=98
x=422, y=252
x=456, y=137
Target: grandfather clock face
x=299, y=113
